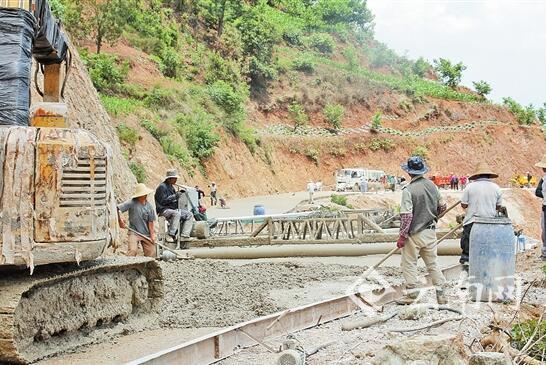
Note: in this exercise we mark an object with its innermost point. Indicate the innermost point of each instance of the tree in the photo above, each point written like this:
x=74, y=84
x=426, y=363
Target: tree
x=297, y=112
x=376, y=120
x=541, y=114
x=334, y=114
x=482, y=88
x=105, y=19
x=420, y=67
x=449, y=73
x=525, y=115
x=216, y=12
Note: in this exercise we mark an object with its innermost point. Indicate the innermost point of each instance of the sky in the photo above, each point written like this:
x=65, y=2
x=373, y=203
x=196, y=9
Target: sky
x=502, y=42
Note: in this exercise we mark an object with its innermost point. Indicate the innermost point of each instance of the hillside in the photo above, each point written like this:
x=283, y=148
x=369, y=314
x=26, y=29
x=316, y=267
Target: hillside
x=248, y=94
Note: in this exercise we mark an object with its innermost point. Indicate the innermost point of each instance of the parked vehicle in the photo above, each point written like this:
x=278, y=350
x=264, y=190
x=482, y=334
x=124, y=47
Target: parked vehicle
x=350, y=178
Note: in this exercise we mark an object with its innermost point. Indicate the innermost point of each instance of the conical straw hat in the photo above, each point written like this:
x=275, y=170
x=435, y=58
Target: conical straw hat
x=141, y=190
x=541, y=163
x=483, y=169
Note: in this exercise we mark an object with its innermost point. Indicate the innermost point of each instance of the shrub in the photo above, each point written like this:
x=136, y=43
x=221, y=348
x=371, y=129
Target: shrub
x=297, y=112
x=106, y=71
x=376, y=120
x=482, y=88
x=154, y=130
x=117, y=106
x=161, y=98
x=313, y=154
x=170, y=62
x=304, y=63
x=225, y=96
x=138, y=170
x=524, y=115
x=322, y=42
x=177, y=152
x=421, y=67
x=339, y=199
x=127, y=134
x=541, y=114
x=334, y=114
x=420, y=151
x=449, y=73
x=199, y=134
x=293, y=37
x=384, y=144
x=351, y=56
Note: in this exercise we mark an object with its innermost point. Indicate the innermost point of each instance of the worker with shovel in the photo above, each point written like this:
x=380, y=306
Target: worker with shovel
x=419, y=210
x=141, y=221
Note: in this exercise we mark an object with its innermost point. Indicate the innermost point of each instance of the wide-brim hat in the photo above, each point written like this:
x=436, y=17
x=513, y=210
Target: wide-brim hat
x=171, y=174
x=483, y=169
x=542, y=163
x=141, y=190
x=415, y=166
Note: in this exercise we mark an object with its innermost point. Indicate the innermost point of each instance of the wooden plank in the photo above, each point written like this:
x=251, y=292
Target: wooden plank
x=52, y=83
x=370, y=223
x=260, y=228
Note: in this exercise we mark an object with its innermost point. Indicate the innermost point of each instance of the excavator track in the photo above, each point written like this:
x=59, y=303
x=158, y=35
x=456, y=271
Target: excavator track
x=61, y=307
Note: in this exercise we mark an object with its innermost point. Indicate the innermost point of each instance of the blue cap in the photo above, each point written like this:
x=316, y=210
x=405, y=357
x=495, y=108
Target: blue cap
x=415, y=166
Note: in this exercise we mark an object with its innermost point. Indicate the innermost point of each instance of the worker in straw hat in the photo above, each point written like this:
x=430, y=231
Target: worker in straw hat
x=166, y=202
x=419, y=210
x=540, y=193
x=481, y=198
x=141, y=221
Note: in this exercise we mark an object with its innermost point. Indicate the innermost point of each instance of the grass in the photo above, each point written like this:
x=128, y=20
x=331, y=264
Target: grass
x=127, y=134
x=177, y=153
x=138, y=170
x=117, y=106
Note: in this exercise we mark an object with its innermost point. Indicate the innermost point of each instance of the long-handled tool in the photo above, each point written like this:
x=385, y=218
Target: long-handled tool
x=178, y=256
x=394, y=250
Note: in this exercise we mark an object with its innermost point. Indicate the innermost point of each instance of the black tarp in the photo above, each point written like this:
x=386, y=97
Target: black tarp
x=50, y=44
x=17, y=29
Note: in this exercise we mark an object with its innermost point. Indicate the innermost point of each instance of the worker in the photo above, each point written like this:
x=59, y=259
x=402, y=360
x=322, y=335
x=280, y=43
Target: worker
x=213, y=193
x=419, y=210
x=311, y=190
x=540, y=193
x=364, y=185
x=529, y=178
x=141, y=221
x=166, y=202
x=482, y=198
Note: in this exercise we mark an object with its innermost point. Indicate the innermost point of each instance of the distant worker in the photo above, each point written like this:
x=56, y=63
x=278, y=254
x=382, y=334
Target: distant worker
x=364, y=185
x=482, y=198
x=311, y=190
x=419, y=210
x=529, y=178
x=213, y=194
x=541, y=187
x=463, y=182
x=141, y=221
x=166, y=203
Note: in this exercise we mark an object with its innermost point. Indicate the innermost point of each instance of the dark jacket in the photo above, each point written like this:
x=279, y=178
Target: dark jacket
x=165, y=198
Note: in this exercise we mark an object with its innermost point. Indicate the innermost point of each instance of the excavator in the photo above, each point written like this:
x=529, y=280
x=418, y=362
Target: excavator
x=58, y=212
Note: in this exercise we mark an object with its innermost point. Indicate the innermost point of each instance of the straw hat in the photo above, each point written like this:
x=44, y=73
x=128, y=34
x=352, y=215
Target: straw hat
x=141, y=190
x=541, y=163
x=483, y=169
x=171, y=174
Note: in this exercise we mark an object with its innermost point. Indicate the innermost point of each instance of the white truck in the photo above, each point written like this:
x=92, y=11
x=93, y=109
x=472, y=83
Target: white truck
x=350, y=178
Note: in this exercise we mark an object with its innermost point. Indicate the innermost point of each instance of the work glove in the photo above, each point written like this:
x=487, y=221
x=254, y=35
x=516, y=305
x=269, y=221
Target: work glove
x=401, y=242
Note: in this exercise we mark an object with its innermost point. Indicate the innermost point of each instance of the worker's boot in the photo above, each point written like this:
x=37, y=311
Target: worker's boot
x=410, y=297
x=463, y=277
x=441, y=297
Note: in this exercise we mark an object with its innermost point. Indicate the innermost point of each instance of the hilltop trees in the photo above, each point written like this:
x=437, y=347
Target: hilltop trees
x=482, y=88
x=449, y=73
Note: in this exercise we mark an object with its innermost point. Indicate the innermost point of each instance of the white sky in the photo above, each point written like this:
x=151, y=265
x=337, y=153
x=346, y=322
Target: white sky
x=500, y=41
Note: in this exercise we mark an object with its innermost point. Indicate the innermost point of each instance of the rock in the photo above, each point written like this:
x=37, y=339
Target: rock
x=489, y=358
x=441, y=349
x=412, y=312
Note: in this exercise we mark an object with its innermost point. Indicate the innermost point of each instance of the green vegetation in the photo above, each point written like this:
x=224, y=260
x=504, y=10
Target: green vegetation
x=450, y=73
x=420, y=151
x=199, y=134
x=541, y=114
x=107, y=72
x=127, y=134
x=117, y=106
x=304, y=63
x=524, y=115
x=154, y=130
x=298, y=115
x=482, y=88
x=340, y=200
x=376, y=120
x=334, y=114
x=138, y=170
x=177, y=152
x=522, y=332
x=384, y=144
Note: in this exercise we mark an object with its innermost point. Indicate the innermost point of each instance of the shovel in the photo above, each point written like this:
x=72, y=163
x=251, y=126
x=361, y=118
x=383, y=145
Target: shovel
x=178, y=256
